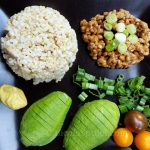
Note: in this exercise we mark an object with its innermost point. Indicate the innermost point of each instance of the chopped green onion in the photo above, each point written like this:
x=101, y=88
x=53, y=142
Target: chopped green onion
x=102, y=95
x=115, y=43
x=139, y=108
x=132, y=99
x=86, y=85
x=109, y=81
x=78, y=78
x=110, y=88
x=109, y=92
x=123, y=109
x=108, y=35
x=105, y=86
x=93, y=93
x=141, y=79
x=140, y=82
x=142, y=101
x=146, y=106
x=145, y=97
x=93, y=86
x=130, y=105
x=132, y=94
x=121, y=37
x=119, y=88
x=123, y=100
x=83, y=96
x=128, y=91
x=111, y=18
x=147, y=91
x=136, y=83
x=120, y=78
x=142, y=88
x=126, y=32
x=107, y=26
x=121, y=91
x=74, y=81
x=131, y=28
x=122, y=48
x=89, y=77
x=120, y=27
x=109, y=48
x=106, y=80
x=84, y=80
x=112, y=45
x=99, y=83
x=133, y=39
x=136, y=93
x=146, y=111
x=80, y=71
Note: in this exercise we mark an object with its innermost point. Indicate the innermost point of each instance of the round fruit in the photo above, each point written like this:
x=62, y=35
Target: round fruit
x=142, y=140
x=135, y=121
x=123, y=137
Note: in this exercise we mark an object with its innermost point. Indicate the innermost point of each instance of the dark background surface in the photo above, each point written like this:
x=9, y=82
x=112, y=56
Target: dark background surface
x=74, y=11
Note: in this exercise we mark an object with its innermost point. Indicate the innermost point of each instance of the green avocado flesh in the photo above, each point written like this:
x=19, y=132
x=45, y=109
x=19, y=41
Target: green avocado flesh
x=43, y=120
x=92, y=125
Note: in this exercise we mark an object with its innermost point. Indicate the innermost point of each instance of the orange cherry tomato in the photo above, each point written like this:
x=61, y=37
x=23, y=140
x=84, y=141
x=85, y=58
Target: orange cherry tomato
x=123, y=137
x=142, y=140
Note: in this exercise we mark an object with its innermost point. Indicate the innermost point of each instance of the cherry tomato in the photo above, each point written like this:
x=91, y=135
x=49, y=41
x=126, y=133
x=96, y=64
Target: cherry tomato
x=123, y=137
x=135, y=121
x=142, y=140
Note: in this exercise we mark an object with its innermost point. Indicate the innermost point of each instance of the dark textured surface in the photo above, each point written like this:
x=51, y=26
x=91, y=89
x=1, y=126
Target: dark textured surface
x=74, y=11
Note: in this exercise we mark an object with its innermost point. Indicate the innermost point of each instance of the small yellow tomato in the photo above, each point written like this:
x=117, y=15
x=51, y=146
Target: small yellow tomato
x=123, y=137
x=142, y=140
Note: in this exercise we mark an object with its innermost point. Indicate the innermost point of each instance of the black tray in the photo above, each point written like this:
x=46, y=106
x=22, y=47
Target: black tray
x=74, y=11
